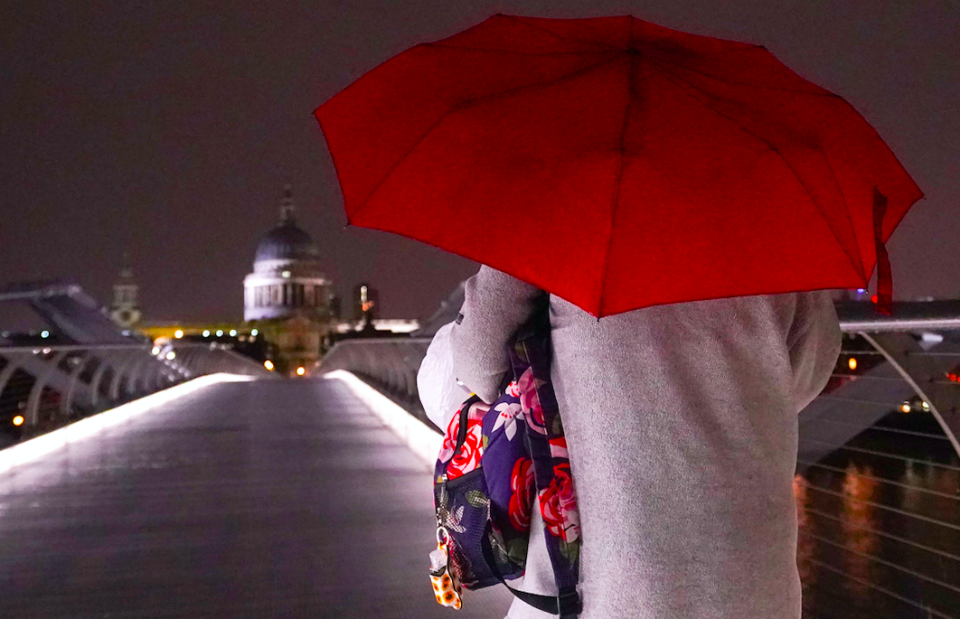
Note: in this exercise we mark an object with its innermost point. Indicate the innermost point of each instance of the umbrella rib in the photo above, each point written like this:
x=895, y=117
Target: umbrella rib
x=671, y=77
x=459, y=107
x=763, y=86
x=560, y=36
x=846, y=206
x=631, y=96
x=826, y=160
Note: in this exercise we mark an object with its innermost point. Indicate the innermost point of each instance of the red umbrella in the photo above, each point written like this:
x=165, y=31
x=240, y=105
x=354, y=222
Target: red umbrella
x=619, y=164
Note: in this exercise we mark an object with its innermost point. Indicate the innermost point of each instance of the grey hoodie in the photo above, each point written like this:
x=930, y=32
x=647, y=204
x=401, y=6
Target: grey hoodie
x=681, y=423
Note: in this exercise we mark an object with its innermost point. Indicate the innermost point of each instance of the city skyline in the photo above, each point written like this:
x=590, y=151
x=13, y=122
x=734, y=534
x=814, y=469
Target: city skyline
x=169, y=133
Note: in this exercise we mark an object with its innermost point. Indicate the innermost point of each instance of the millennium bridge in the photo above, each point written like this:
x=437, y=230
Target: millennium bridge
x=188, y=481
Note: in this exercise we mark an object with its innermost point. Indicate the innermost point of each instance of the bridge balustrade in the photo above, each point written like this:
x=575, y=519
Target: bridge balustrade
x=389, y=364
x=45, y=387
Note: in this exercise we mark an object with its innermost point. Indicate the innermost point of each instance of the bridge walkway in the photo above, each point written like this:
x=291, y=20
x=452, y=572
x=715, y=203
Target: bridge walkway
x=260, y=499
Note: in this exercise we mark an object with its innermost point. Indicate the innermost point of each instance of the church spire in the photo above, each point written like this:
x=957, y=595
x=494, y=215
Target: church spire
x=287, y=207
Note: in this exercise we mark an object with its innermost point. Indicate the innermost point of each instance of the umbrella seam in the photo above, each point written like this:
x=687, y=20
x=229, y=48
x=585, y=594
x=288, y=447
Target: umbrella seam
x=604, y=265
x=826, y=93
x=560, y=36
x=857, y=268
x=846, y=207
x=463, y=105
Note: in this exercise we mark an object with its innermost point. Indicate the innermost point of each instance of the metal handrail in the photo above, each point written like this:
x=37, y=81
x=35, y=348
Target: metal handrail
x=43, y=387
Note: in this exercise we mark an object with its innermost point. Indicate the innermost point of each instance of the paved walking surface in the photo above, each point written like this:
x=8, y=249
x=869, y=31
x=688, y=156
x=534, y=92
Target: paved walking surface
x=263, y=499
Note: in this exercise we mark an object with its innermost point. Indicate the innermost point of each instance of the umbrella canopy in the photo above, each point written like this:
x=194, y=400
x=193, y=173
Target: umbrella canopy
x=618, y=164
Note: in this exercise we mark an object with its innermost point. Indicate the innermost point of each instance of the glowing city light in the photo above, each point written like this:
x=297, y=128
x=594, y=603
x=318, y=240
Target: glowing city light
x=254, y=332
x=861, y=290
x=301, y=371
x=852, y=363
x=268, y=364
x=155, y=351
x=905, y=407
x=18, y=420
x=925, y=405
x=285, y=274
x=233, y=333
x=219, y=332
x=178, y=334
x=206, y=333
x=44, y=334
x=171, y=356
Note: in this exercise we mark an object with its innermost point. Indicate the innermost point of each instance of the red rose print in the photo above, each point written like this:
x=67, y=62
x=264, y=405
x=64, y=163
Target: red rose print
x=521, y=501
x=450, y=438
x=530, y=402
x=558, y=505
x=468, y=458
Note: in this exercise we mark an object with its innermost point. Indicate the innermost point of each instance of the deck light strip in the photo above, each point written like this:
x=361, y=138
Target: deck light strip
x=424, y=441
x=35, y=448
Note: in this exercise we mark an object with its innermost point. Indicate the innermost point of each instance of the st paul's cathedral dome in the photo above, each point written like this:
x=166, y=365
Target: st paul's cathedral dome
x=286, y=281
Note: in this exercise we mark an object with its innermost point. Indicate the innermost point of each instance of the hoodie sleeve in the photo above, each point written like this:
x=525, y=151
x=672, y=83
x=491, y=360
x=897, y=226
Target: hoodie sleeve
x=495, y=306
x=814, y=344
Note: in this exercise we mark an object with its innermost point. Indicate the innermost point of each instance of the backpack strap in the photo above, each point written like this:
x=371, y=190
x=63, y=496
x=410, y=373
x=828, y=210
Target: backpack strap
x=567, y=605
x=563, y=549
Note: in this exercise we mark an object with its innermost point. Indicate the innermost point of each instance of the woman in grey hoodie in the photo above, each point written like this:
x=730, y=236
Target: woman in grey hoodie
x=681, y=423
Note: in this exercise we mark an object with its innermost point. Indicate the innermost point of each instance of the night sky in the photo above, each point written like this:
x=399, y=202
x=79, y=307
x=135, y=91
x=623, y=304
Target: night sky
x=168, y=129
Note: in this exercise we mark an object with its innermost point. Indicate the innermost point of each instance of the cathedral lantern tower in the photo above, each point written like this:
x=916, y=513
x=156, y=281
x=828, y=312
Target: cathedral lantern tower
x=125, y=309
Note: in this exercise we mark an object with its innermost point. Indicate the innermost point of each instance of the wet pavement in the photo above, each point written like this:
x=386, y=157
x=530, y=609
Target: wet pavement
x=262, y=499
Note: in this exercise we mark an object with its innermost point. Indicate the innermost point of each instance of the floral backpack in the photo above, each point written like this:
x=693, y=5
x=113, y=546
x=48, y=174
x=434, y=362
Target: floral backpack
x=495, y=461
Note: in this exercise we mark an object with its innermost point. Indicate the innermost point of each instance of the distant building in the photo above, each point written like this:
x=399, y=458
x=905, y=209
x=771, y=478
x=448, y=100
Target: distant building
x=287, y=296
x=125, y=309
x=366, y=303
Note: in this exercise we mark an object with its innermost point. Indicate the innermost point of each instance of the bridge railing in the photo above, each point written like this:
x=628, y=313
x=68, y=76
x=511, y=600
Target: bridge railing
x=389, y=364
x=45, y=387
x=878, y=470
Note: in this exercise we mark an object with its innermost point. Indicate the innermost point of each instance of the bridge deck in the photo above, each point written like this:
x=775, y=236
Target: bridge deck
x=261, y=499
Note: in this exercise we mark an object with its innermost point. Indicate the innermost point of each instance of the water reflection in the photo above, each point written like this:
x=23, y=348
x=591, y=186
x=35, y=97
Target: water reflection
x=879, y=530
x=859, y=490
x=806, y=545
